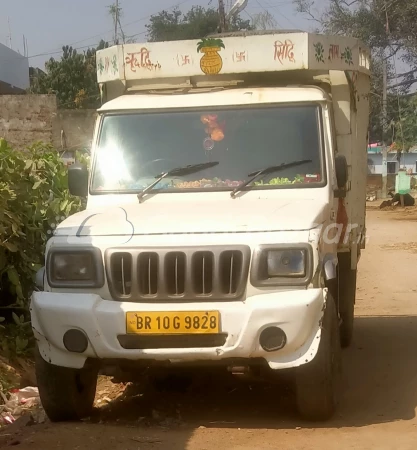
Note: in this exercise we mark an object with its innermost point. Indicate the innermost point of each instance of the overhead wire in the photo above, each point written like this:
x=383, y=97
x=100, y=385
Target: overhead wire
x=281, y=13
x=263, y=7
x=141, y=19
x=56, y=52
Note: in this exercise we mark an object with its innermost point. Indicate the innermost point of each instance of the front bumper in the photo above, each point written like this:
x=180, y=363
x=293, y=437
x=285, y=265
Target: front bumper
x=298, y=313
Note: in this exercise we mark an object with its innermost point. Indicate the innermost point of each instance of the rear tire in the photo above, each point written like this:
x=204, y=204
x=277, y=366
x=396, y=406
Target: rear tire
x=318, y=382
x=347, y=297
x=66, y=394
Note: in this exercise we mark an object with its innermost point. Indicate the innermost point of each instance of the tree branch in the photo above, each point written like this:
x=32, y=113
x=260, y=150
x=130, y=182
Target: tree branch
x=349, y=4
x=304, y=7
x=402, y=75
x=407, y=83
x=394, y=52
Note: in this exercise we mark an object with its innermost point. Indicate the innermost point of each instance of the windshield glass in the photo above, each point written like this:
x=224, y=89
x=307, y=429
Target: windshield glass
x=133, y=149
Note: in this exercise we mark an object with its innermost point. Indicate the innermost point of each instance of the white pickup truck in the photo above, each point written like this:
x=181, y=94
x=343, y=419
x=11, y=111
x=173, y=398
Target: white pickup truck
x=225, y=217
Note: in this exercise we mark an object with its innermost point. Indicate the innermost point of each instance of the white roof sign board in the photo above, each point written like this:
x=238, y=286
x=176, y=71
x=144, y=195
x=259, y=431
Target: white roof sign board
x=231, y=55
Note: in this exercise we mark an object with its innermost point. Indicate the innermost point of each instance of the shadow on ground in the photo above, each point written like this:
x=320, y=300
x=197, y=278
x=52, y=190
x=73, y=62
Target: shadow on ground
x=380, y=387
x=380, y=371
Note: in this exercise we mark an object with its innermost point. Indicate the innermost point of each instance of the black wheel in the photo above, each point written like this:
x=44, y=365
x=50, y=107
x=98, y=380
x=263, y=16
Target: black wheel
x=318, y=382
x=347, y=296
x=66, y=394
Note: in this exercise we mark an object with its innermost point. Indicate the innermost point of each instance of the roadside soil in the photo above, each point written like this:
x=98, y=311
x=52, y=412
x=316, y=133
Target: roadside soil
x=378, y=408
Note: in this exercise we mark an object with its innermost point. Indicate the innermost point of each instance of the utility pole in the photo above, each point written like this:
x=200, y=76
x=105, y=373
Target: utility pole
x=384, y=112
x=384, y=128
x=222, y=15
x=116, y=22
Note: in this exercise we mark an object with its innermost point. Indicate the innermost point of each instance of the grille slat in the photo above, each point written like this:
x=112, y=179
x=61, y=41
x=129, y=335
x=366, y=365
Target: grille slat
x=123, y=277
x=230, y=270
x=147, y=273
x=149, y=276
x=192, y=274
x=121, y=272
x=203, y=278
x=175, y=268
x=176, y=275
x=231, y=275
x=202, y=273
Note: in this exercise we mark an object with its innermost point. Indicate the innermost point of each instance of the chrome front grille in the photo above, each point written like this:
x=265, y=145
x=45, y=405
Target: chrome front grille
x=190, y=274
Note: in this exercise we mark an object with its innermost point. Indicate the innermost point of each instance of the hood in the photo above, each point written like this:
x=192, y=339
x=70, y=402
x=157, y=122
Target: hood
x=205, y=217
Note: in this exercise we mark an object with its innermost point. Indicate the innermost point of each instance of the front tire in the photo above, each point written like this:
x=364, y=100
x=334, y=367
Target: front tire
x=66, y=394
x=318, y=382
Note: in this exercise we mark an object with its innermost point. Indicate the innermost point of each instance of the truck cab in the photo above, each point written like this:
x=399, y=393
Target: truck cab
x=225, y=217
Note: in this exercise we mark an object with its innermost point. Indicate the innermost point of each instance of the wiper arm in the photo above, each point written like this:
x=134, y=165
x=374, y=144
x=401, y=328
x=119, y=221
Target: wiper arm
x=177, y=172
x=266, y=171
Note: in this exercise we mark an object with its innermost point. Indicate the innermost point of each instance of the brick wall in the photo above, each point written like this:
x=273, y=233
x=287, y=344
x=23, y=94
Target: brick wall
x=25, y=119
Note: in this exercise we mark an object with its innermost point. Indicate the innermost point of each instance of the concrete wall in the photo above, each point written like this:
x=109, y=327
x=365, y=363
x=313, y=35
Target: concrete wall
x=14, y=68
x=25, y=119
x=374, y=182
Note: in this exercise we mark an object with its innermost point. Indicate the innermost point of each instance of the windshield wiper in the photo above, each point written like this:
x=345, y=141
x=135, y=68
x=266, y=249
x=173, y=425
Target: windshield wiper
x=177, y=172
x=266, y=171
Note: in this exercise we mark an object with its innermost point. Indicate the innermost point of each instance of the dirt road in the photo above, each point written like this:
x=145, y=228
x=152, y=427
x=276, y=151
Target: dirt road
x=378, y=406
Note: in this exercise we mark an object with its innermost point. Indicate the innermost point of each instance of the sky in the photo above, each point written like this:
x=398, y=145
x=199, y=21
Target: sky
x=49, y=24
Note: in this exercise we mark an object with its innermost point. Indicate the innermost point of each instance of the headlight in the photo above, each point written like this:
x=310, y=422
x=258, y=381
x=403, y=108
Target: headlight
x=282, y=265
x=286, y=263
x=72, y=268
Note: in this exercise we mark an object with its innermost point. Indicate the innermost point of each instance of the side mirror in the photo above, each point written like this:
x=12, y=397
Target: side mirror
x=341, y=167
x=78, y=180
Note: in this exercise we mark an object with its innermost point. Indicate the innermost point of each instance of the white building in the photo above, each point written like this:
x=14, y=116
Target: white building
x=14, y=71
x=407, y=161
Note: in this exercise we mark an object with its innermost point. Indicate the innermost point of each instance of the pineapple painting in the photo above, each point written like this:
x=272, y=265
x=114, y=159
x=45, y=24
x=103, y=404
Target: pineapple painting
x=211, y=62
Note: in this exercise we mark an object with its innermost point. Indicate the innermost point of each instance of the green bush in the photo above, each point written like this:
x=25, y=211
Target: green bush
x=34, y=197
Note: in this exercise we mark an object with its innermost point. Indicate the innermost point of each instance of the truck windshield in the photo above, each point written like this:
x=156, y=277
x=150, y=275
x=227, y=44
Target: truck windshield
x=133, y=149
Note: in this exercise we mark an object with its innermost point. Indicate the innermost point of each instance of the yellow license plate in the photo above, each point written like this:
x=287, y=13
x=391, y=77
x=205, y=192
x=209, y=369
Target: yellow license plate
x=178, y=322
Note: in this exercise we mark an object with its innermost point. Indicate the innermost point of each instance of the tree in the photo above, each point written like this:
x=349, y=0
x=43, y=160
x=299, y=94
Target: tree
x=389, y=28
x=198, y=22
x=264, y=21
x=403, y=126
x=73, y=78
